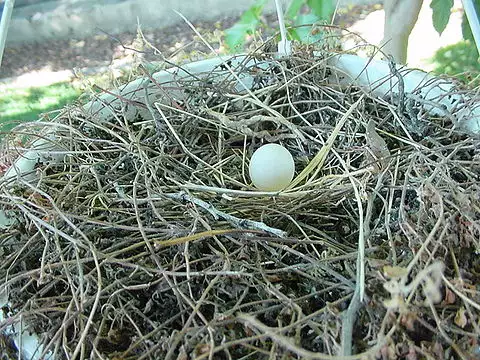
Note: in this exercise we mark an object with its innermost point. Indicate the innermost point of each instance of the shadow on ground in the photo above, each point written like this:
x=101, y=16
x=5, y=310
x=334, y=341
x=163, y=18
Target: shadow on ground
x=21, y=105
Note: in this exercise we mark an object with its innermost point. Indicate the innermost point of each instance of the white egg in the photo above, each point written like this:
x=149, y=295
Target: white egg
x=271, y=168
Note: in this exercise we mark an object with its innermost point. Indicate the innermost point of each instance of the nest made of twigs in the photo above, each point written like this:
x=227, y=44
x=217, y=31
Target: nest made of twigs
x=148, y=240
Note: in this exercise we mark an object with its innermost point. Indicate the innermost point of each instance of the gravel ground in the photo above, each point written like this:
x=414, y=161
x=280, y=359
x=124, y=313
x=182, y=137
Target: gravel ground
x=103, y=49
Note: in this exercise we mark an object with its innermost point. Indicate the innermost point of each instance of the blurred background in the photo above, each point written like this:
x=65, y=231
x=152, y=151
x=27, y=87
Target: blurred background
x=57, y=49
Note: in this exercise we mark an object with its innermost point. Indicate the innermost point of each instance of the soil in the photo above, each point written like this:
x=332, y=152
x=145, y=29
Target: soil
x=102, y=49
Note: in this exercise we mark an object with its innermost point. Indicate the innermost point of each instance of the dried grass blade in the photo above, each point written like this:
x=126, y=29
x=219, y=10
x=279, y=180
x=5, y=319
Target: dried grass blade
x=317, y=162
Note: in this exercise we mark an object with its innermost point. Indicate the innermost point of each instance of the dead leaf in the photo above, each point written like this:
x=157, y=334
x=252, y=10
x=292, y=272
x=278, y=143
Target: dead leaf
x=450, y=297
x=377, y=146
x=394, y=303
x=460, y=318
x=412, y=353
x=182, y=354
x=438, y=351
x=408, y=321
x=394, y=272
x=202, y=349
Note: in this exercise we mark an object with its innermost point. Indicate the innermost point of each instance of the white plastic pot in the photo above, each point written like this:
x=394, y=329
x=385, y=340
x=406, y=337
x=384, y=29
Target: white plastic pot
x=373, y=76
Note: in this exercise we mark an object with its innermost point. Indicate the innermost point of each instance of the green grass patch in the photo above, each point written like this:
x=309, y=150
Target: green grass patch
x=459, y=60
x=27, y=104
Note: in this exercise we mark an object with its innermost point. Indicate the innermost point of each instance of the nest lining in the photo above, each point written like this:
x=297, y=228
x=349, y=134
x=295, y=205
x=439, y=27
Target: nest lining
x=148, y=241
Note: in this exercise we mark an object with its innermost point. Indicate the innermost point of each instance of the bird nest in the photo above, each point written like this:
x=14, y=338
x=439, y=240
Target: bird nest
x=148, y=241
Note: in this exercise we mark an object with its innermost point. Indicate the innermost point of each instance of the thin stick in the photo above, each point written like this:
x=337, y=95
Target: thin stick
x=4, y=24
x=349, y=318
x=284, y=48
x=275, y=335
x=358, y=296
x=237, y=222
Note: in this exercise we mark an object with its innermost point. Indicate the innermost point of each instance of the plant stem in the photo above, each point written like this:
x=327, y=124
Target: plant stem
x=237, y=222
x=284, y=44
x=4, y=23
x=472, y=17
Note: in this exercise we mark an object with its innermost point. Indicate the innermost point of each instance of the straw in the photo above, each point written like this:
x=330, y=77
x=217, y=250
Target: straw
x=149, y=241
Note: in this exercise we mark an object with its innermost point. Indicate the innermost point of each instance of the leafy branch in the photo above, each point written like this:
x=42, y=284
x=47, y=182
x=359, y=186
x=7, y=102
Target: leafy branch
x=298, y=16
x=441, y=10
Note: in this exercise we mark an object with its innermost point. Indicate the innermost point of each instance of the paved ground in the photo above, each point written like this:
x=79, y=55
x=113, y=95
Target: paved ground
x=64, y=19
x=52, y=61
x=424, y=40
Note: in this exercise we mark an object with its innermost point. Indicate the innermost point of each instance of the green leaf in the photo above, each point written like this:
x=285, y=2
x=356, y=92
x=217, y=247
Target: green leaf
x=304, y=33
x=460, y=60
x=294, y=8
x=466, y=31
x=441, y=14
x=293, y=34
x=255, y=10
x=235, y=36
x=322, y=8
